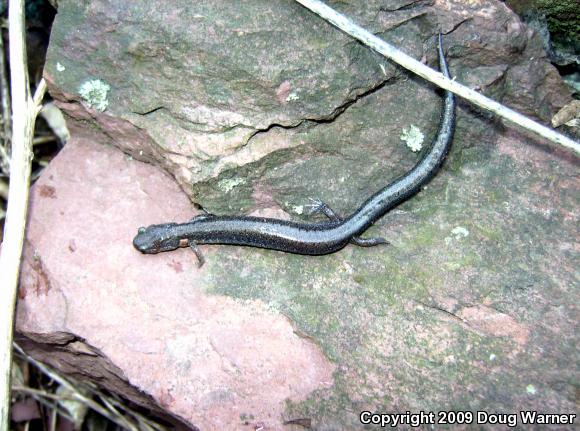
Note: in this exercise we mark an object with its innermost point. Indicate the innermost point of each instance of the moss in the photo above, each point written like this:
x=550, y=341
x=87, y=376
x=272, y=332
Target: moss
x=491, y=233
x=563, y=17
x=426, y=235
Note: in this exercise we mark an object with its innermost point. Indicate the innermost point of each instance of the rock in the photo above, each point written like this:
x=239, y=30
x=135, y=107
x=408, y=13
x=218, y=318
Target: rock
x=142, y=326
x=222, y=95
x=569, y=114
x=254, y=109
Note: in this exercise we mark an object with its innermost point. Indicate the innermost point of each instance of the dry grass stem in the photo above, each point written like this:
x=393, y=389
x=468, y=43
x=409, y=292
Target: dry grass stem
x=113, y=409
x=399, y=57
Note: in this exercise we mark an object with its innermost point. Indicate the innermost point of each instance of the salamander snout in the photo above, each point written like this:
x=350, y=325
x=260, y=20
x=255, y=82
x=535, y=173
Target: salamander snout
x=141, y=242
x=156, y=238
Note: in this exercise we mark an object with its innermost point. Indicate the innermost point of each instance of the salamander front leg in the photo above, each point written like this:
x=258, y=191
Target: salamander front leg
x=321, y=207
x=198, y=253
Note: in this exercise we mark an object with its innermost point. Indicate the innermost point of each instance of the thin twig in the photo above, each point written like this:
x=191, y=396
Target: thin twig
x=392, y=53
x=136, y=415
x=126, y=424
x=54, y=417
x=112, y=399
x=25, y=108
x=44, y=140
x=41, y=393
x=6, y=113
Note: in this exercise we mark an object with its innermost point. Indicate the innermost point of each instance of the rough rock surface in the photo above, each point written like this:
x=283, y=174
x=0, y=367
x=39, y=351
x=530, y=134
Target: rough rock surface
x=473, y=307
x=220, y=95
x=142, y=326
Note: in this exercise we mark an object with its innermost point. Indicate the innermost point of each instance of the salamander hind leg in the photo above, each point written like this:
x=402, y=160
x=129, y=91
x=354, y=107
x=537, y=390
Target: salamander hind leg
x=319, y=206
x=198, y=253
x=368, y=242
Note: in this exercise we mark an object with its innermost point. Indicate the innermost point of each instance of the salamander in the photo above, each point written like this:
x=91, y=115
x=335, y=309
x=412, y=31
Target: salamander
x=314, y=238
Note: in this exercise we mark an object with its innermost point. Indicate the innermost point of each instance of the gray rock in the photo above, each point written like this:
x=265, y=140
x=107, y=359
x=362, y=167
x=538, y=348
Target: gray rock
x=255, y=108
x=224, y=97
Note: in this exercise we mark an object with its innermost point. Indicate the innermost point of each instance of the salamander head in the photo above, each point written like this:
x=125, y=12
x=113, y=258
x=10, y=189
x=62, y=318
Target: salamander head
x=156, y=238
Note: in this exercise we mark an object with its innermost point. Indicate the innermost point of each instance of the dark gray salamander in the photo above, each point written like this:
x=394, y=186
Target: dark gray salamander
x=308, y=238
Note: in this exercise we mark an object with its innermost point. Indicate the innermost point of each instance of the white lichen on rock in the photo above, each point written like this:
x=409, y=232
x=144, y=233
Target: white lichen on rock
x=60, y=67
x=460, y=232
x=457, y=233
x=227, y=185
x=292, y=97
x=413, y=137
x=298, y=209
x=94, y=93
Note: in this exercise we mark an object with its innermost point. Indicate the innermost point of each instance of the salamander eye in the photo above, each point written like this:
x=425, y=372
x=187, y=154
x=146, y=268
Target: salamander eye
x=141, y=230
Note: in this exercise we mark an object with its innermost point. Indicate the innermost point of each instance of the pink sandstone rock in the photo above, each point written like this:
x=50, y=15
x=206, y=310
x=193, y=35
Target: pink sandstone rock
x=139, y=324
